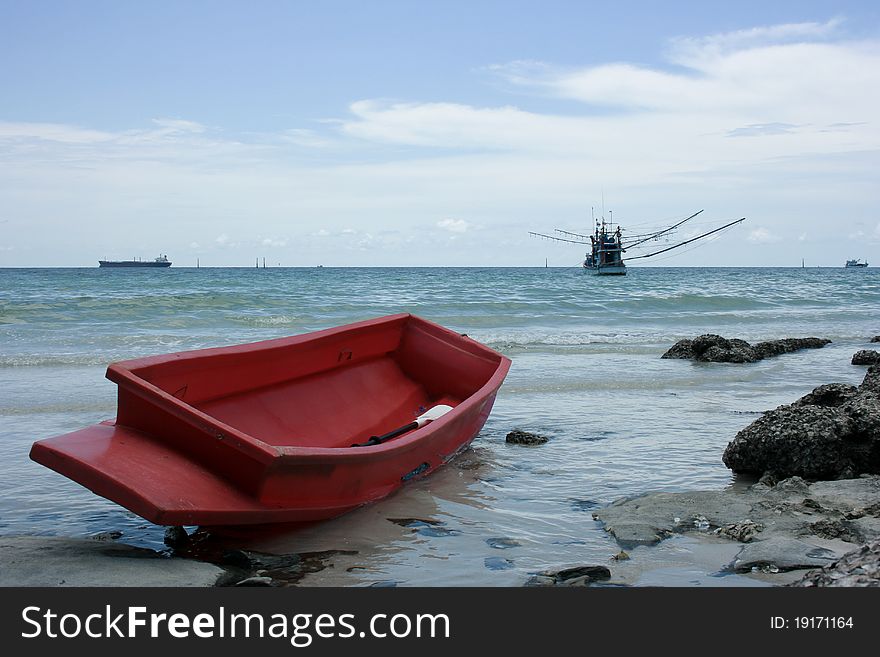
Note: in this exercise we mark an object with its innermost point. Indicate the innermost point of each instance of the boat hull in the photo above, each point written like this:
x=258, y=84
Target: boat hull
x=610, y=270
x=132, y=263
x=263, y=433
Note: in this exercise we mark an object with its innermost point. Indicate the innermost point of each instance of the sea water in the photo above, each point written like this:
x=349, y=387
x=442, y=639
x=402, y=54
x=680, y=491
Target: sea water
x=586, y=373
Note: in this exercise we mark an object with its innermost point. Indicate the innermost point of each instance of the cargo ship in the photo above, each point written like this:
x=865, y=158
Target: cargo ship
x=161, y=261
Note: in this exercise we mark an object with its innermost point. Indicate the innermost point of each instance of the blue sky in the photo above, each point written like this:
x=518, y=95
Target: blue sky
x=429, y=133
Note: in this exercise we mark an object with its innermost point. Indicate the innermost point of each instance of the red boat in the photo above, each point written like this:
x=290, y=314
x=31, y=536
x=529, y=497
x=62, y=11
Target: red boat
x=293, y=429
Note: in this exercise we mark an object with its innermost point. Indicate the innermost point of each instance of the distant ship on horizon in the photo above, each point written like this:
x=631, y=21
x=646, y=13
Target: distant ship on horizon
x=161, y=261
x=607, y=244
x=855, y=263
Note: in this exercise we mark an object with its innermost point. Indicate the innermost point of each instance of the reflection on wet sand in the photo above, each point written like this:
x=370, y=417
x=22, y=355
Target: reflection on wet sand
x=358, y=547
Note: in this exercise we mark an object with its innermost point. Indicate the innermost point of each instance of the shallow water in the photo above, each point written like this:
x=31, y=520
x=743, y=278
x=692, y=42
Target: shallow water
x=586, y=372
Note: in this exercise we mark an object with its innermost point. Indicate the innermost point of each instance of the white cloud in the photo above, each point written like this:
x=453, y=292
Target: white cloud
x=171, y=126
x=761, y=129
x=54, y=132
x=440, y=125
x=793, y=97
x=770, y=82
x=762, y=235
x=801, y=100
x=454, y=225
x=307, y=138
x=694, y=52
x=274, y=242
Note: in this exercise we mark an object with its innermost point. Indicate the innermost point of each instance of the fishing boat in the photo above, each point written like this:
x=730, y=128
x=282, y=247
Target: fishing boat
x=294, y=429
x=161, y=261
x=605, y=257
x=855, y=263
x=608, y=243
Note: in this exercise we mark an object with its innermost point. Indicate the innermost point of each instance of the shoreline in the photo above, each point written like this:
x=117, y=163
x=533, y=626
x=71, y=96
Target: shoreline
x=767, y=533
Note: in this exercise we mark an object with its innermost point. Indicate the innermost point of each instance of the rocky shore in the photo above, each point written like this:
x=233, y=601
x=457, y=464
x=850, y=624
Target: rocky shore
x=808, y=516
x=793, y=525
x=96, y=561
x=816, y=504
x=831, y=433
x=712, y=348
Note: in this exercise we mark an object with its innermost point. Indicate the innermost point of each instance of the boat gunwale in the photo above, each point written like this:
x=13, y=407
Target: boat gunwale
x=259, y=345
x=122, y=373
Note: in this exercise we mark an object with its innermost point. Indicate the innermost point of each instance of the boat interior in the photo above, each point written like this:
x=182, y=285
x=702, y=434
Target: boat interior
x=332, y=390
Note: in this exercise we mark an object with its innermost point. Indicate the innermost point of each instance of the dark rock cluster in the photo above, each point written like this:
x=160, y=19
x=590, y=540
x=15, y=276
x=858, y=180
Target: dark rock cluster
x=866, y=357
x=857, y=568
x=520, y=437
x=831, y=433
x=576, y=576
x=713, y=348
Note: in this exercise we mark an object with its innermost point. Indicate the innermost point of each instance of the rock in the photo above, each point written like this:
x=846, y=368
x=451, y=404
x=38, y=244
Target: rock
x=176, y=537
x=876, y=338
x=592, y=572
x=743, y=531
x=540, y=580
x=807, y=441
x=415, y=522
x=683, y=349
x=787, y=346
x=871, y=382
x=791, y=486
x=713, y=348
x=425, y=526
x=519, y=437
x=831, y=433
x=860, y=567
x=497, y=563
x=648, y=519
x=236, y=559
x=864, y=413
x=637, y=533
x=53, y=561
x=830, y=395
x=794, y=508
x=784, y=553
x=282, y=569
x=866, y=357
x=845, y=530
x=577, y=576
x=255, y=581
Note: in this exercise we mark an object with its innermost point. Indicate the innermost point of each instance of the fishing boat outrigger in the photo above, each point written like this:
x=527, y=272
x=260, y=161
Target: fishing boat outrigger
x=607, y=244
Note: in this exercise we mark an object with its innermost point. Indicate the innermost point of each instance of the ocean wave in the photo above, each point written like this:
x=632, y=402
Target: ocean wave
x=104, y=408
x=55, y=360
x=290, y=321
